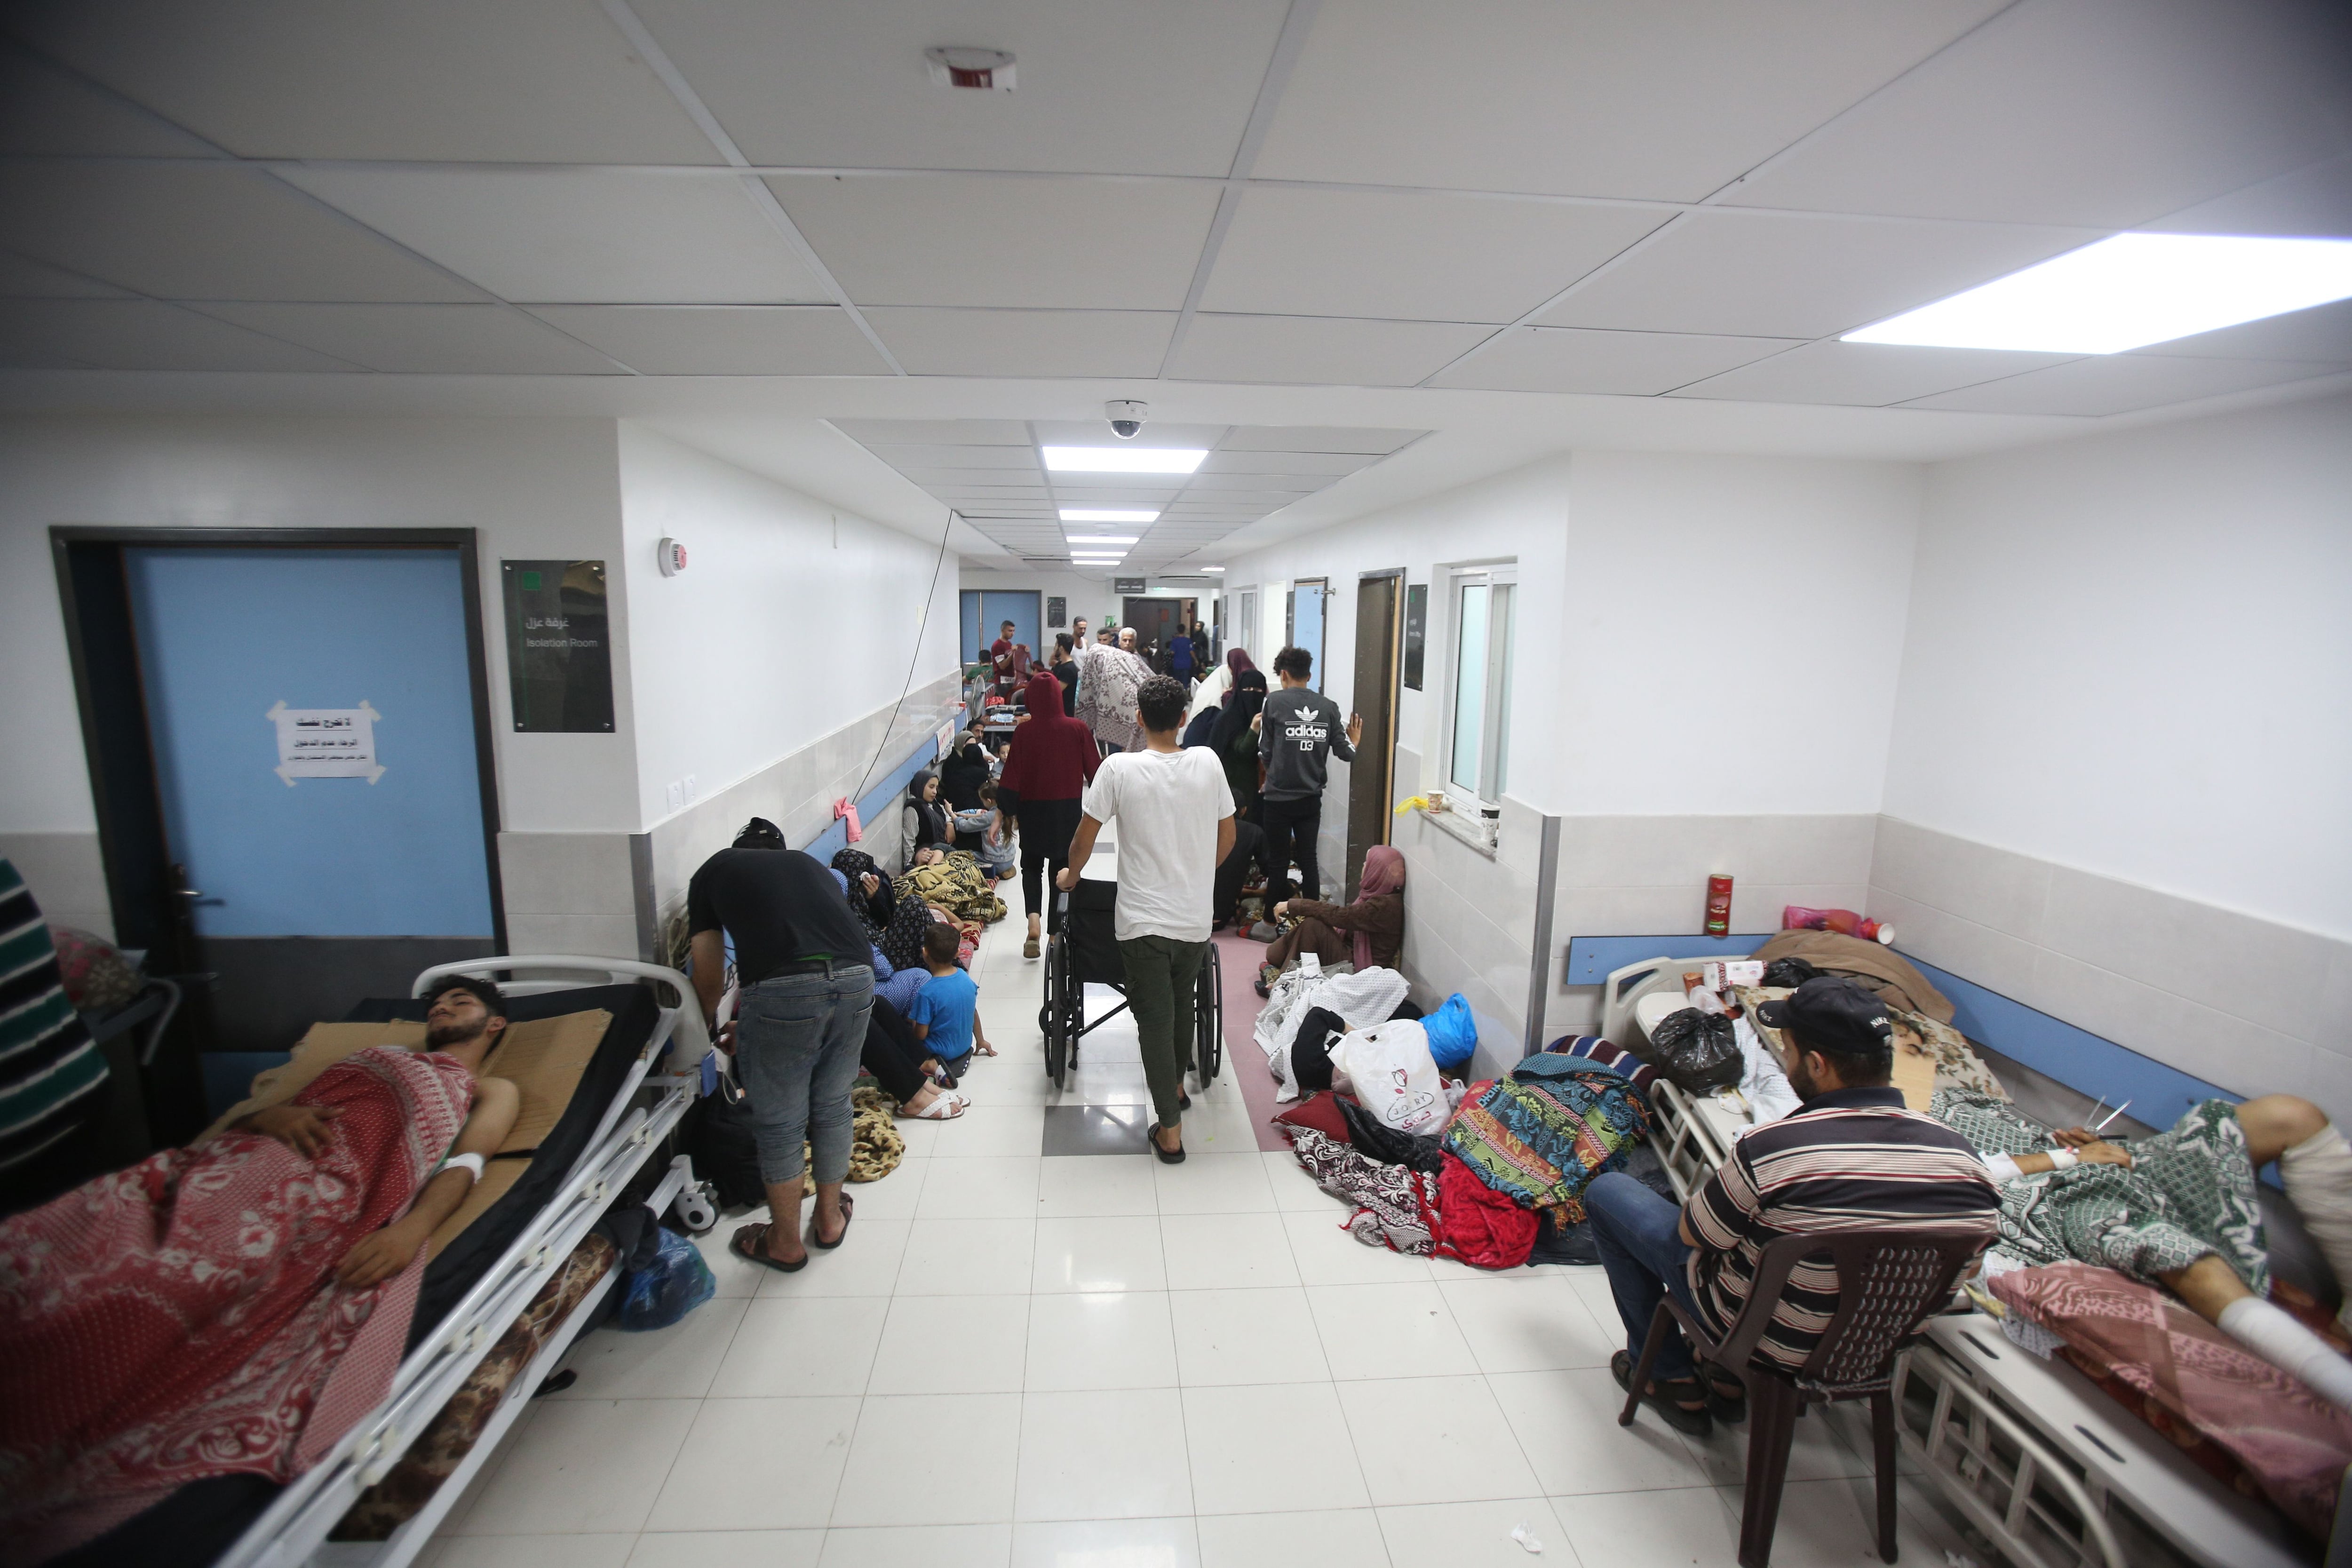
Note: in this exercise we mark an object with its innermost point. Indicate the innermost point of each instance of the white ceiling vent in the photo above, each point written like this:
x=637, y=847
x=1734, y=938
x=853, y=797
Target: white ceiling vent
x=985, y=70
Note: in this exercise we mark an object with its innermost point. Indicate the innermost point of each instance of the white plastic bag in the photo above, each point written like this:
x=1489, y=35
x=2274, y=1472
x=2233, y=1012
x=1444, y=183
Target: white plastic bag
x=1393, y=1075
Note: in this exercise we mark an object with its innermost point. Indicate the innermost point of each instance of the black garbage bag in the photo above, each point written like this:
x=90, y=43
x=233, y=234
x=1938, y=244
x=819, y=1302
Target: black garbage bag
x=1697, y=1050
x=718, y=1134
x=1789, y=972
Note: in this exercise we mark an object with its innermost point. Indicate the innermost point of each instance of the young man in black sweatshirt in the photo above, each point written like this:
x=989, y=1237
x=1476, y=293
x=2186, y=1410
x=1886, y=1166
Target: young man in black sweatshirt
x=1300, y=730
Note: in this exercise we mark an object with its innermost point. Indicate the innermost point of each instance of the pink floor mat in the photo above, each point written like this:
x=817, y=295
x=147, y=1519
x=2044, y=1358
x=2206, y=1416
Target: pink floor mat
x=1239, y=957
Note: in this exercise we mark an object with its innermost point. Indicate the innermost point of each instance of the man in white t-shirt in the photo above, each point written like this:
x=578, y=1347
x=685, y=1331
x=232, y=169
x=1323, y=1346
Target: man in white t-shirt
x=1175, y=814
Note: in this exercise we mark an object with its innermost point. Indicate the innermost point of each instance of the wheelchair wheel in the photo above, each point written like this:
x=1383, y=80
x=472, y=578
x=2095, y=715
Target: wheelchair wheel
x=1053, y=1019
x=1209, y=1020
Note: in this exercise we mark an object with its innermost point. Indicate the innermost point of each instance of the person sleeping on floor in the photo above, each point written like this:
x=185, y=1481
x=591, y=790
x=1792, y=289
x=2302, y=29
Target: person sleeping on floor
x=234, y=1306
x=2178, y=1209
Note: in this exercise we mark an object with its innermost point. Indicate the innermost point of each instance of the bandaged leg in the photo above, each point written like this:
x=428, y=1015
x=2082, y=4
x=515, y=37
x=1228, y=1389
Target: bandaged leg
x=2278, y=1338
x=2317, y=1173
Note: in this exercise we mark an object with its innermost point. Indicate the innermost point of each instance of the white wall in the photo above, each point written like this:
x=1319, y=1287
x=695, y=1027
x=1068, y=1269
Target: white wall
x=793, y=620
x=2131, y=654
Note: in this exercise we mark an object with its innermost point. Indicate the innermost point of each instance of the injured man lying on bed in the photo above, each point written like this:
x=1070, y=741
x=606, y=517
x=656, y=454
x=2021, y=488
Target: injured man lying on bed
x=2178, y=1208
x=234, y=1306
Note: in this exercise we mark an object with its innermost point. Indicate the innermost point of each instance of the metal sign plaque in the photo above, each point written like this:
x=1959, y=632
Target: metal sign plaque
x=558, y=646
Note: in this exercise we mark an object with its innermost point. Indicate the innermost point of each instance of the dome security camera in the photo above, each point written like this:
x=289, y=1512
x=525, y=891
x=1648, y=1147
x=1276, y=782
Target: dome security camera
x=1126, y=418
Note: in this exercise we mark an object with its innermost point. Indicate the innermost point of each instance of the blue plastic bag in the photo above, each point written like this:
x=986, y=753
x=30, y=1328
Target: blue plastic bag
x=1453, y=1033
x=675, y=1283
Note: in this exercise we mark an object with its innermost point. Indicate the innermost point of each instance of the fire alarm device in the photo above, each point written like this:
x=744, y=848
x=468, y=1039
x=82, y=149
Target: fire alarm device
x=673, y=557
x=983, y=70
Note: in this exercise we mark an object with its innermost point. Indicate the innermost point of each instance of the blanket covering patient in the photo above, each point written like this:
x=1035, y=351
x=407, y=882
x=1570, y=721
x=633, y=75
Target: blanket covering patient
x=234, y=1306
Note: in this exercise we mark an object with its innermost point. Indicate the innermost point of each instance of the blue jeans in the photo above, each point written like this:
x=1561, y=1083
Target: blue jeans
x=1635, y=1230
x=797, y=1041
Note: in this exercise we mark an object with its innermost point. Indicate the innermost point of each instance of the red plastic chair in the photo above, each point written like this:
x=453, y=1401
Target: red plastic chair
x=1889, y=1282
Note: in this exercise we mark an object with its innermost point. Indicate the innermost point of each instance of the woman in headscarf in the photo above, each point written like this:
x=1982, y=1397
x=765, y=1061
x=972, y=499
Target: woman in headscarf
x=926, y=820
x=1235, y=740
x=892, y=923
x=1368, y=932
x=963, y=771
x=908, y=1073
x=1217, y=691
x=1045, y=774
x=1108, y=679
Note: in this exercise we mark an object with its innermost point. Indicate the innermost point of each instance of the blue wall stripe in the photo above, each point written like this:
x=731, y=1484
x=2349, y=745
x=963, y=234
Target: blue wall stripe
x=886, y=795
x=2087, y=1063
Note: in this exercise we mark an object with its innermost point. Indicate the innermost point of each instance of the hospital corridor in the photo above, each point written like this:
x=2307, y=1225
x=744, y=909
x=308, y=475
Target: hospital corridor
x=1175, y=784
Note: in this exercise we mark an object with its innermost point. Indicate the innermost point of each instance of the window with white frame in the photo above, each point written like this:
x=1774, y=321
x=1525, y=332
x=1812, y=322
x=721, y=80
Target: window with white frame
x=1480, y=742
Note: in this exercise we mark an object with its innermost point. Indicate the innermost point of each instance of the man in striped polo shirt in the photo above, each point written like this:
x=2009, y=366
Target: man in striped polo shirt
x=1852, y=1158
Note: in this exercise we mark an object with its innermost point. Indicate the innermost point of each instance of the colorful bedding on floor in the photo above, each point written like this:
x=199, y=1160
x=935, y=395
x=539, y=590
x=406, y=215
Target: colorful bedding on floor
x=179, y=1319
x=956, y=884
x=1540, y=1135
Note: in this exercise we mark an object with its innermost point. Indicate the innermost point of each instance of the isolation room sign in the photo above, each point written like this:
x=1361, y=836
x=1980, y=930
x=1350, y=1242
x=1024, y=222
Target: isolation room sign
x=326, y=743
x=558, y=646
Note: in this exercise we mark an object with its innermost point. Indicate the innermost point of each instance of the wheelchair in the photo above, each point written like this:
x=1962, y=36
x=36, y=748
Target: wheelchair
x=1085, y=951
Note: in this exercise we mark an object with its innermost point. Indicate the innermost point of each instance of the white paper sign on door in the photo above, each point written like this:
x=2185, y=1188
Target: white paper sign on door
x=326, y=743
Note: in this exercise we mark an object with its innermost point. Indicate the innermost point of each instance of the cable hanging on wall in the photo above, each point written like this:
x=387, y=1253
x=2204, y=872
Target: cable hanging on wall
x=921, y=627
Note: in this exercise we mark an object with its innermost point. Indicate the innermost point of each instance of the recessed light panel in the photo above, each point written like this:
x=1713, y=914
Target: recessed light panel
x=1106, y=514
x=1123, y=459
x=1101, y=539
x=2127, y=291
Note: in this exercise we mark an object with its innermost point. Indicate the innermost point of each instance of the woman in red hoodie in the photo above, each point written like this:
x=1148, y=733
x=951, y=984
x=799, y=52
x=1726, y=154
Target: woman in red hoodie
x=1046, y=772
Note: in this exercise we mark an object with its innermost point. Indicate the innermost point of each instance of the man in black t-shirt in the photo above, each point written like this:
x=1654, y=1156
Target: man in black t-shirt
x=1299, y=731
x=804, y=966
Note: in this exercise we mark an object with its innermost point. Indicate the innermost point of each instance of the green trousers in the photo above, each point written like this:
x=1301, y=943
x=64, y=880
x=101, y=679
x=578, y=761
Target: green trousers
x=1161, y=975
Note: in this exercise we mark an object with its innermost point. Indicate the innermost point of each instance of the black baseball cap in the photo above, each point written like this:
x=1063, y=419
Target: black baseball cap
x=1834, y=1013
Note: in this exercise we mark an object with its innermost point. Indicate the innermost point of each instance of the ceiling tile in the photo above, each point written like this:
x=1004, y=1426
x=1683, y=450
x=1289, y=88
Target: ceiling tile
x=1316, y=438
x=2321, y=332
x=187, y=230
x=1124, y=88
x=1024, y=342
x=522, y=81
x=2117, y=383
x=620, y=236
x=1671, y=99
x=978, y=239
x=1566, y=359
x=447, y=339
x=47, y=111
x=1207, y=483
x=974, y=478
x=1411, y=256
x=139, y=334
x=1227, y=460
x=1312, y=350
x=1095, y=432
x=1867, y=373
x=2314, y=202
x=900, y=456
x=722, y=340
x=1758, y=275
x=2103, y=112
x=935, y=432
x=21, y=278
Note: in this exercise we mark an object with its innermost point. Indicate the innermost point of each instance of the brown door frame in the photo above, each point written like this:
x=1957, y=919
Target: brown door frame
x=1368, y=822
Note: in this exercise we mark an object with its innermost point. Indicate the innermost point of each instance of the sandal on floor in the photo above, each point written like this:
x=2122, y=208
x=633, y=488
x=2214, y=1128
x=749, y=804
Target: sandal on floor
x=848, y=1213
x=1029, y=948
x=1152, y=1136
x=953, y=1104
x=757, y=1251
x=1660, y=1397
x=1729, y=1408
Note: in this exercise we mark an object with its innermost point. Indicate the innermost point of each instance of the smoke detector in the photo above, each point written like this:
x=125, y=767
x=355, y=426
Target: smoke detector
x=984, y=70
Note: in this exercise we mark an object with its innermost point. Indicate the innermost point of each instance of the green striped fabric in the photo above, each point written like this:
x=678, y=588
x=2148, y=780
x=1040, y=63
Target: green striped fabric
x=50, y=1069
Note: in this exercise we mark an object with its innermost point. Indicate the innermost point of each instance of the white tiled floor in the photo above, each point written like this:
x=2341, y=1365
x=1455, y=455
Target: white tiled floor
x=1031, y=1363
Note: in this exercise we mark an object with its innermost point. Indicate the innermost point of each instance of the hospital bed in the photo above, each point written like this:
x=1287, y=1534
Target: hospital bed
x=644, y=1073
x=2045, y=1466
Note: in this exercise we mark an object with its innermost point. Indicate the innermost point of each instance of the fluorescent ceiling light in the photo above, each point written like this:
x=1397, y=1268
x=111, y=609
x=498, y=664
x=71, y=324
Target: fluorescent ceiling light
x=1102, y=538
x=1123, y=459
x=1096, y=560
x=1106, y=514
x=2127, y=291
x=1212, y=568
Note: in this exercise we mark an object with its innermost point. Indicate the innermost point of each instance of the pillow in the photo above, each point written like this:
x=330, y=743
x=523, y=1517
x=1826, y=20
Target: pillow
x=1608, y=1054
x=1317, y=1114
x=97, y=978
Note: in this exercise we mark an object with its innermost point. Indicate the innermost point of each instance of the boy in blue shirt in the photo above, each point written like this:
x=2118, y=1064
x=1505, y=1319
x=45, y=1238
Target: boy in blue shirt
x=946, y=1012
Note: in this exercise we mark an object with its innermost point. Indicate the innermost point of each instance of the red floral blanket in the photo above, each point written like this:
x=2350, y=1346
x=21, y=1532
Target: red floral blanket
x=2204, y=1387
x=180, y=1320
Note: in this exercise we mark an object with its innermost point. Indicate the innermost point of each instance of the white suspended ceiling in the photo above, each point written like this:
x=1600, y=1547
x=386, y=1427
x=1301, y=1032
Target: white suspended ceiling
x=1681, y=201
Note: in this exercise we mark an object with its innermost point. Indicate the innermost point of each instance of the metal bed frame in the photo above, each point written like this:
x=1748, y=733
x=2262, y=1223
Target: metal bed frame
x=294, y=1529
x=2033, y=1453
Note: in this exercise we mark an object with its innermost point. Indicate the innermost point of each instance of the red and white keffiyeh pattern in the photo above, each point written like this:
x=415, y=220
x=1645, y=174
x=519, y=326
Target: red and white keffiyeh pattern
x=180, y=1320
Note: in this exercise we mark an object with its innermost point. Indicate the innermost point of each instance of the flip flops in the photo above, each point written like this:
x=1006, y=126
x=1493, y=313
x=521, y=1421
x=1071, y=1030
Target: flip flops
x=756, y=1251
x=944, y=1107
x=848, y=1213
x=1660, y=1397
x=1152, y=1136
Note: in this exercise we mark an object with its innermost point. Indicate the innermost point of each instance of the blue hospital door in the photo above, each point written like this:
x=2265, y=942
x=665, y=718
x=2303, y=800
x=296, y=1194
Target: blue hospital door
x=312, y=893
x=1307, y=624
